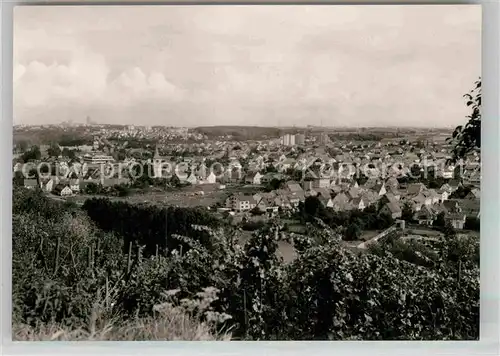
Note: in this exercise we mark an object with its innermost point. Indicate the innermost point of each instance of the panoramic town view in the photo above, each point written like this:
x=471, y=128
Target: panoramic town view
x=295, y=221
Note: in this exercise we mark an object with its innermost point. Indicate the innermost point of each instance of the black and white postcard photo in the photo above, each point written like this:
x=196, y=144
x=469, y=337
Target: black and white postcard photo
x=246, y=173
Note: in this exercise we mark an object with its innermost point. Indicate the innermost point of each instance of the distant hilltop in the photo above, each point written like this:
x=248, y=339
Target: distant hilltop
x=310, y=128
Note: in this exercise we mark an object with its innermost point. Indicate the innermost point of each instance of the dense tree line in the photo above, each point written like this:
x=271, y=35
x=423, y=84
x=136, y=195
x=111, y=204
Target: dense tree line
x=118, y=190
x=149, y=226
x=33, y=154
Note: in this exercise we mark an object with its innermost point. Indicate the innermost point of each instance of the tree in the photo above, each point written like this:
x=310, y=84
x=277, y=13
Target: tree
x=449, y=230
x=353, y=232
x=120, y=155
x=18, y=179
x=121, y=190
x=460, y=193
x=68, y=153
x=92, y=188
x=384, y=221
x=295, y=174
x=275, y=184
x=175, y=181
x=54, y=150
x=440, y=220
x=472, y=223
x=467, y=138
x=22, y=146
x=312, y=206
x=32, y=155
x=271, y=169
x=407, y=213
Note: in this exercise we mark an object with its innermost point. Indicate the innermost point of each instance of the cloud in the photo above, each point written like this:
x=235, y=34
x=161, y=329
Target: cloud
x=364, y=65
x=134, y=85
x=84, y=81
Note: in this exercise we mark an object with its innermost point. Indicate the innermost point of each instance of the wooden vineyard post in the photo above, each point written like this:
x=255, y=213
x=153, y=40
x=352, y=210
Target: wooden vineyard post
x=107, y=293
x=166, y=232
x=56, y=260
x=89, y=257
x=129, y=259
x=38, y=252
x=139, y=254
x=245, y=310
x=459, y=271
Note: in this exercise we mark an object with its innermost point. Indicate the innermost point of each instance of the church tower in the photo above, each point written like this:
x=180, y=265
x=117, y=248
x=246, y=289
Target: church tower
x=157, y=164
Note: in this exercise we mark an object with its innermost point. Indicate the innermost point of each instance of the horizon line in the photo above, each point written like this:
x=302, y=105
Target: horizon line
x=236, y=125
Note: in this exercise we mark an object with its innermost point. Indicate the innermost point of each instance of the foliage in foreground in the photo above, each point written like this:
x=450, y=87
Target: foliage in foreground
x=63, y=263
x=467, y=138
x=169, y=322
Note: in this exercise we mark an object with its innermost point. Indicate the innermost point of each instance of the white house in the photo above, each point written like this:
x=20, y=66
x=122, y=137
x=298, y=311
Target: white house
x=49, y=185
x=254, y=178
x=18, y=167
x=380, y=189
x=211, y=178
x=241, y=202
x=443, y=195
x=63, y=190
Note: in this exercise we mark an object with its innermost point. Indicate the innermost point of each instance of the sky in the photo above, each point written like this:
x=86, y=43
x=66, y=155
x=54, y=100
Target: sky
x=271, y=65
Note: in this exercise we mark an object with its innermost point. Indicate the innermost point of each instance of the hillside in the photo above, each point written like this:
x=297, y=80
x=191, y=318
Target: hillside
x=69, y=264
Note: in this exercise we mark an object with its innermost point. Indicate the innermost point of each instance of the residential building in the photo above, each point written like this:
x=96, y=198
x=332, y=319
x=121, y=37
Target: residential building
x=294, y=187
x=74, y=185
x=457, y=220
x=321, y=183
x=97, y=159
x=425, y=216
x=340, y=202
x=300, y=139
x=324, y=139
x=48, y=185
x=380, y=189
x=63, y=190
x=393, y=209
x=288, y=140
x=191, y=179
x=474, y=194
x=358, y=203
x=455, y=216
x=253, y=178
x=415, y=189
x=286, y=164
x=241, y=202
x=31, y=183
x=211, y=178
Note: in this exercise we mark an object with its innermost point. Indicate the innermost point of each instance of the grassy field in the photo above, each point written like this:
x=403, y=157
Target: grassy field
x=187, y=197
x=180, y=198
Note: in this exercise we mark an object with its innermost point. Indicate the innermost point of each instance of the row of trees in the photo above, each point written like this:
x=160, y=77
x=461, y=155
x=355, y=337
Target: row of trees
x=34, y=153
x=149, y=226
x=119, y=190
